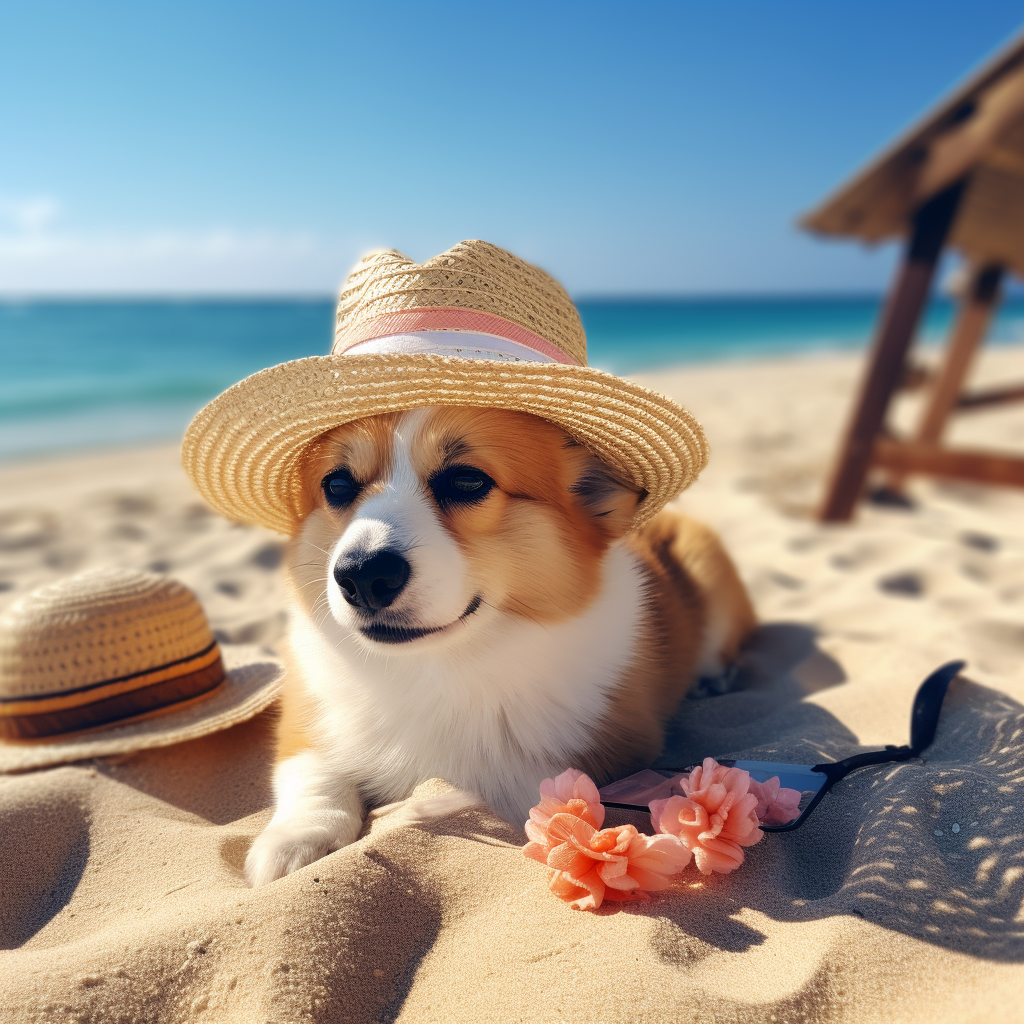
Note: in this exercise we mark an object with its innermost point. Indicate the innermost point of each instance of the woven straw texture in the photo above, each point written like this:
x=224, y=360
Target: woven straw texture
x=99, y=625
x=108, y=624
x=472, y=275
x=242, y=450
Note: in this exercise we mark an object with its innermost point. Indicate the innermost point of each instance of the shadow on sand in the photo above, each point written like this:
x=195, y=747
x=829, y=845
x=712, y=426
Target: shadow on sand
x=932, y=848
x=38, y=878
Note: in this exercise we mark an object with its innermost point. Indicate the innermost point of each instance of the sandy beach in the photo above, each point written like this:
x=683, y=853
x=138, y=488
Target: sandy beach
x=945, y=578
x=880, y=909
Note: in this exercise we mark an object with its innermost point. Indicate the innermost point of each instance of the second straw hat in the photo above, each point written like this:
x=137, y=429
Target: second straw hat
x=114, y=660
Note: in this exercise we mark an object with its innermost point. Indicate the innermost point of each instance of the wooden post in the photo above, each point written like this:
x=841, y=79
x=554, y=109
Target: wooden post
x=930, y=228
x=976, y=309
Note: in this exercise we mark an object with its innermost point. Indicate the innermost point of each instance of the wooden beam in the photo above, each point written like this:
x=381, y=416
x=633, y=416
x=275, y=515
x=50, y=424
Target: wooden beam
x=991, y=396
x=977, y=306
x=976, y=466
x=931, y=226
x=1005, y=160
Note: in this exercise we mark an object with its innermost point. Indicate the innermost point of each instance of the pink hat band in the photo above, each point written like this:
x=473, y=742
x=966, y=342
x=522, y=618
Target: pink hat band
x=449, y=331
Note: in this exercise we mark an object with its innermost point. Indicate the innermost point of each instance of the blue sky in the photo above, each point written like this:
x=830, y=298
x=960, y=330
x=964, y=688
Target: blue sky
x=628, y=148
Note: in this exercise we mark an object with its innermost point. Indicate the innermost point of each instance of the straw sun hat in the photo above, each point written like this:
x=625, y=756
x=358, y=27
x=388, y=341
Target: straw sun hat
x=112, y=661
x=475, y=326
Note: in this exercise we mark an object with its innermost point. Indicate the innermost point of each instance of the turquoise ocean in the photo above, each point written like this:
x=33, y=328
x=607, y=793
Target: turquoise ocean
x=117, y=372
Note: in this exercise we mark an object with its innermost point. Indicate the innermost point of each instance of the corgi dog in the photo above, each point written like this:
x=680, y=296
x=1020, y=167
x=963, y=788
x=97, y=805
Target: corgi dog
x=468, y=603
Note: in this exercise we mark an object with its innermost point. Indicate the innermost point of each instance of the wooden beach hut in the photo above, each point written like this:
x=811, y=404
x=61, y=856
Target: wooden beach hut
x=955, y=179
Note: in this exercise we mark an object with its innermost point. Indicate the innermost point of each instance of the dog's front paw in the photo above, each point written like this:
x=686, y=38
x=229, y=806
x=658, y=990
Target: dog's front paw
x=285, y=848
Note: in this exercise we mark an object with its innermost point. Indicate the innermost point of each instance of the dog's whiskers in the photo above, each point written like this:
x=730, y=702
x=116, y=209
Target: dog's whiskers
x=320, y=579
x=303, y=540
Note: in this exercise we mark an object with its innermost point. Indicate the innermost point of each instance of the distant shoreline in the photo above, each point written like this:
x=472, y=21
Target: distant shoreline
x=14, y=464
x=90, y=373
x=68, y=453
x=1014, y=292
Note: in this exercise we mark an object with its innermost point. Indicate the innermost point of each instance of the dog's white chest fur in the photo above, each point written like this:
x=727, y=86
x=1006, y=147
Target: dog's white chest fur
x=492, y=716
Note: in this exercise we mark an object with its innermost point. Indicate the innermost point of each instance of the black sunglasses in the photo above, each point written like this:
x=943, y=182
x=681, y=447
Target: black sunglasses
x=811, y=781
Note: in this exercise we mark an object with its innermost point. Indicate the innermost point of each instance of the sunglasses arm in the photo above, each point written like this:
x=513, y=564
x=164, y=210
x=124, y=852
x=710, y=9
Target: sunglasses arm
x=837, y=770
x=924, y=720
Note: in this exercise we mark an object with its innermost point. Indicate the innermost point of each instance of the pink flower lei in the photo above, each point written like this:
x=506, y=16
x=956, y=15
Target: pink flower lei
x=718, y=817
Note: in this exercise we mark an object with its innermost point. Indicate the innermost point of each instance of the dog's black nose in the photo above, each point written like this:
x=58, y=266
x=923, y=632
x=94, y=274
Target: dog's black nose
x=372, y=582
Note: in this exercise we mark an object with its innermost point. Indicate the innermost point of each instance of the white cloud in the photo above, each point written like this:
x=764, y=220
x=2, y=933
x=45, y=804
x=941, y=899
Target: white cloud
x=38, y=255
x=29, y=216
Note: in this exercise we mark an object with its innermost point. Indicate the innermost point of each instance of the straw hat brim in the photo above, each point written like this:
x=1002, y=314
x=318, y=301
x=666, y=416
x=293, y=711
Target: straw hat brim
x=241, y=451
x=251, y=683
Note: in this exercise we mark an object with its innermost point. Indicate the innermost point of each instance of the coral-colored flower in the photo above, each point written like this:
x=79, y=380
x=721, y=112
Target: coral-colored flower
x=775, y=805
x=589, y=864
x=572, y=792
x=556, y=794
x=715, y=819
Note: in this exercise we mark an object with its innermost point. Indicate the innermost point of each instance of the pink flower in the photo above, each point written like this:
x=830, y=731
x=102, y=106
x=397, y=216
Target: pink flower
x=555, y=795
x=775, y=805
x=571, y=793
x=715, y=819
x=589, y=864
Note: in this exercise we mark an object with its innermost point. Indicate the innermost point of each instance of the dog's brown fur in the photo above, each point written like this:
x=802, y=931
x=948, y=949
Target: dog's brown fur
x=538, y=540
x=693, y=584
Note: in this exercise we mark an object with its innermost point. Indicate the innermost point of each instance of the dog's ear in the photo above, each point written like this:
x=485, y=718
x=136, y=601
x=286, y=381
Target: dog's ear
x=607, y=497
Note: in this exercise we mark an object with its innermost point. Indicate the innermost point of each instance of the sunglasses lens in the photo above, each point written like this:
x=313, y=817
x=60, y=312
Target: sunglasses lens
x=640, y=789
x=800, y=777
x=643, y=787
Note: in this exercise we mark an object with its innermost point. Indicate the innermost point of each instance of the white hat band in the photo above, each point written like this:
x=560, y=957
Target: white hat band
x=458, y=344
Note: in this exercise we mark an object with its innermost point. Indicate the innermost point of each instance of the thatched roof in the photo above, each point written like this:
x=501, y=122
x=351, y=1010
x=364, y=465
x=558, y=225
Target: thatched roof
x=978, y=128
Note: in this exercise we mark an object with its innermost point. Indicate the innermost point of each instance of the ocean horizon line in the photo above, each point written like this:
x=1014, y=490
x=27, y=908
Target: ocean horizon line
x=1013, y=290
x=24, y=298
x=92, y=370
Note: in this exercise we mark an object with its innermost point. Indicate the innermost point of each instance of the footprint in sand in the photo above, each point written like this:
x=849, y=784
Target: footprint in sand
x=267, y=631
x=979, y=541
x=1009, y=635
x=26, y=528
x=865, y=553
x=196, y=518
x=65, y=560
x=134, y=505
x=268, y=556
x=127, y=531
x=902, y=584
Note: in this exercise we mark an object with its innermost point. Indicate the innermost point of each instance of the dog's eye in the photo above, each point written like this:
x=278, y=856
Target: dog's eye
x=339, y=488
x=460, y=485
